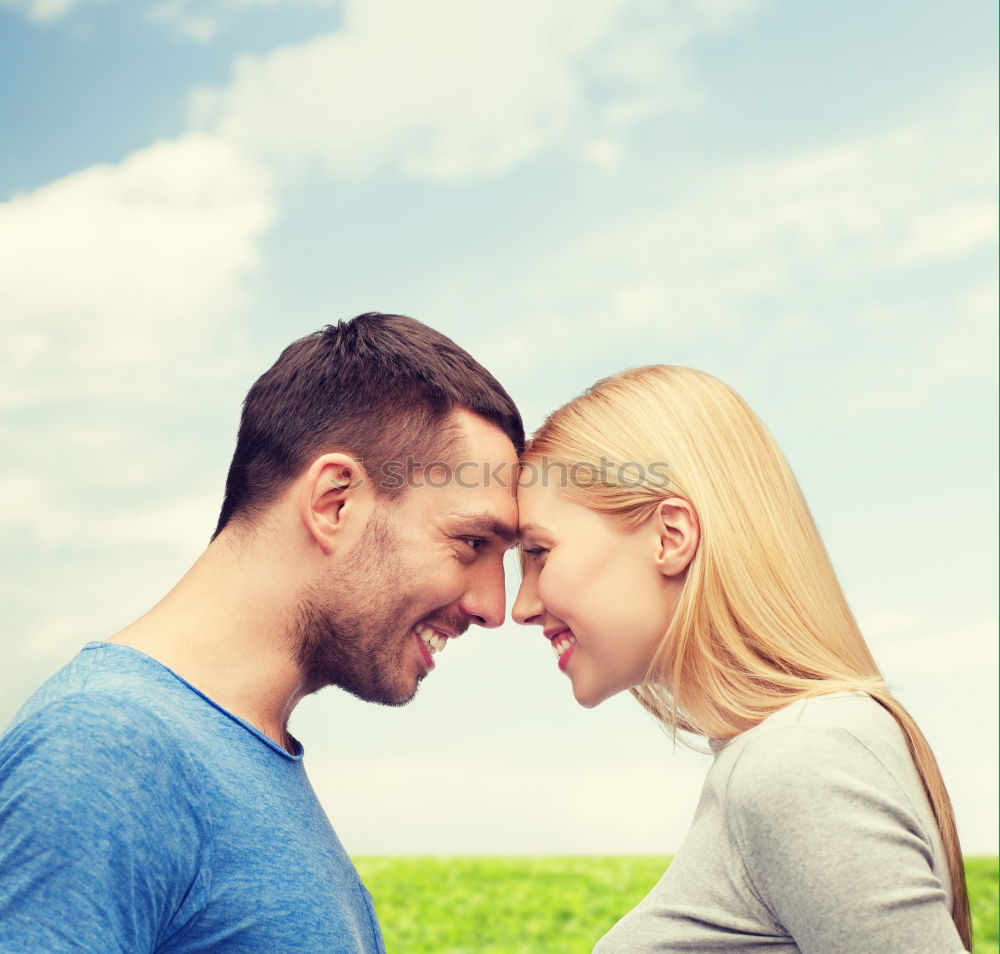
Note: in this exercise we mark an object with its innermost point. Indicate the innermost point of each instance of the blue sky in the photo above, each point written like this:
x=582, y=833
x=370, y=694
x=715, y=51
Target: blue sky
x=798, y=198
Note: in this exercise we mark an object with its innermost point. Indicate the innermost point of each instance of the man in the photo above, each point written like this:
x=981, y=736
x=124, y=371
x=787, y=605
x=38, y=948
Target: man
x=151, y=797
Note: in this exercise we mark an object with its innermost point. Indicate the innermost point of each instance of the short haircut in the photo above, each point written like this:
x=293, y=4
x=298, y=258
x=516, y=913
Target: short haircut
x=378, y=387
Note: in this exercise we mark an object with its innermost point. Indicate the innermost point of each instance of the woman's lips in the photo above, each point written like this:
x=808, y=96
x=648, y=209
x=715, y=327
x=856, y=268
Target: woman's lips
x=563, y=643
x=564, y=658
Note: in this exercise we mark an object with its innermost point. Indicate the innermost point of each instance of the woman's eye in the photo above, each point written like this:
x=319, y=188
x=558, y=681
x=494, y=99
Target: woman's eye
x=536, y=551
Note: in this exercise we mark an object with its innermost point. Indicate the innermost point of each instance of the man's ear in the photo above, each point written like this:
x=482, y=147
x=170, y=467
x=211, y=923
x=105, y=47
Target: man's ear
x=678, y=530
x=333, y=492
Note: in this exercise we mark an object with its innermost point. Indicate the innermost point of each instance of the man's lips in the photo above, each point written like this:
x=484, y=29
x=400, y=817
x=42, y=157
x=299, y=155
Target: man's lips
x=432, y=638
x=425, y=653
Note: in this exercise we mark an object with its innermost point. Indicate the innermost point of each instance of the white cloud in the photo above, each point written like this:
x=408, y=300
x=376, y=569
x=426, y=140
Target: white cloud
x=47, y=514
x=604, y=153
x=792, y=246
x=202, y=20
x=45, y=11
x=108, y=269
x=948, y=231
x=205, y=19
x=117, y=279
x=641, y=303
x=905, y=649
x=454, y=91
x=887, y=623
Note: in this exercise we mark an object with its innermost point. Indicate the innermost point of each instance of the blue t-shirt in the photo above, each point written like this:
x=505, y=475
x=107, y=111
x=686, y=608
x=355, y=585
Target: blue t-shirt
x=138, y=816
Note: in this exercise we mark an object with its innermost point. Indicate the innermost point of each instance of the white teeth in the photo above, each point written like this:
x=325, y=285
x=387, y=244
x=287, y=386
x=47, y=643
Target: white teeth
x=560, y=645
x=431, y=639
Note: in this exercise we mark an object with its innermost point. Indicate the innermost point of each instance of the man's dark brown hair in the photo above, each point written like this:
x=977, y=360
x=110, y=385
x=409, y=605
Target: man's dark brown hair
x=377, y=387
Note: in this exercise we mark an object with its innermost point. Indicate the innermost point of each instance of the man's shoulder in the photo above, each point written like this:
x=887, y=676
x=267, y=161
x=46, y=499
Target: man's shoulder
x=87, y=747
x=93, y=715
x=104, y=826
x=94, y=763
x=104, y=689
x=92, y=724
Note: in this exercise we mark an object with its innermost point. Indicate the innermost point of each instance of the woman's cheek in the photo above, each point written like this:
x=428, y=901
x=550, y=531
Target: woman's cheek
x=556, y=591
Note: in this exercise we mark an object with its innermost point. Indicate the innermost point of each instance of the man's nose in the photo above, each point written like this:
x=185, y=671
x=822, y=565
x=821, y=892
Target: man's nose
x=484, y=602
x=527, y=609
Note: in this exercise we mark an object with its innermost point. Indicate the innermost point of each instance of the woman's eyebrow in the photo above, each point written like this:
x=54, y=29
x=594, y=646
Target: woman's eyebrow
x=526, y=528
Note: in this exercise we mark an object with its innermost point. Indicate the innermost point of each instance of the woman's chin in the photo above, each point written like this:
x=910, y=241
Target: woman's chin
x=590, y=696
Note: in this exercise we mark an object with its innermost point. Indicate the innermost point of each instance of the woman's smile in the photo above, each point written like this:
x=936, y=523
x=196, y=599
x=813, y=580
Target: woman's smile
x=563, y=642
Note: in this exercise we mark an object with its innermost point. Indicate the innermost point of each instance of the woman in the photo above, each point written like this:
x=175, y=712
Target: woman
x=667, y=549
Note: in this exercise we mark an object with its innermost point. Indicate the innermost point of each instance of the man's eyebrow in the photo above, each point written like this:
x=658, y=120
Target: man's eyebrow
x=487, y=524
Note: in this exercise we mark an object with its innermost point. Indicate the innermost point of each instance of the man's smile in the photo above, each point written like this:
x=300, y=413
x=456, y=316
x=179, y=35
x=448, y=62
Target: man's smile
x=431, y=642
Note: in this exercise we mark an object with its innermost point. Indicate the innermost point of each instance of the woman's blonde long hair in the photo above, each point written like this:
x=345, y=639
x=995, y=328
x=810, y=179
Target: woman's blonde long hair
x=761, y=620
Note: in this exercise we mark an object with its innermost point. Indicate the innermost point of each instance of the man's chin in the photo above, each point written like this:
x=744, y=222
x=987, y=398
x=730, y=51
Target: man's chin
x=391, y=696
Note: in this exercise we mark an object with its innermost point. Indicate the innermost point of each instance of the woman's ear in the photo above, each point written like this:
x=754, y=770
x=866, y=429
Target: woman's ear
x=334, y=495
x=679, y=533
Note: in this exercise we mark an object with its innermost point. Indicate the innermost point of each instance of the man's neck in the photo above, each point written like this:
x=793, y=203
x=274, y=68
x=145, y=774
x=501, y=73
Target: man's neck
x=227, y=629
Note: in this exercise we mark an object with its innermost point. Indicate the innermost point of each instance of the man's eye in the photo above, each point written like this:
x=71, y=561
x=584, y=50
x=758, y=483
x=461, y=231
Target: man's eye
x=474, y=543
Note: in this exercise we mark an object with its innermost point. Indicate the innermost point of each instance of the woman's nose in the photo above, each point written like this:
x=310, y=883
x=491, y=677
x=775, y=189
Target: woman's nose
x=527, y=609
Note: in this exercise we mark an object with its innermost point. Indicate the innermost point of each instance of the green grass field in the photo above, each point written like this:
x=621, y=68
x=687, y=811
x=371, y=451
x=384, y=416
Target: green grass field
x=546, y=905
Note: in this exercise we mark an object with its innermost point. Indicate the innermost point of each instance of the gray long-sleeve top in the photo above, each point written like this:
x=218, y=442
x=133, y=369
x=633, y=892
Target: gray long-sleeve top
x=813, y=835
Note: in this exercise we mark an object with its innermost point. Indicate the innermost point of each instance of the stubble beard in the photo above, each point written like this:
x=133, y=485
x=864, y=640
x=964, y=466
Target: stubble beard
x=350, y=631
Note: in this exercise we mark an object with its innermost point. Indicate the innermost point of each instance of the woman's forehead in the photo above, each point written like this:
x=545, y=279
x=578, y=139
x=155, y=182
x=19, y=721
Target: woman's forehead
x=542, y=507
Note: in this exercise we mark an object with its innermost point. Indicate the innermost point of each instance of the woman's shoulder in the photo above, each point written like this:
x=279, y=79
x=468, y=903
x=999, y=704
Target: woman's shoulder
x=819, y=779
x=840, y=747
x=844, y=732
x=854, y=717
x=821, y=726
